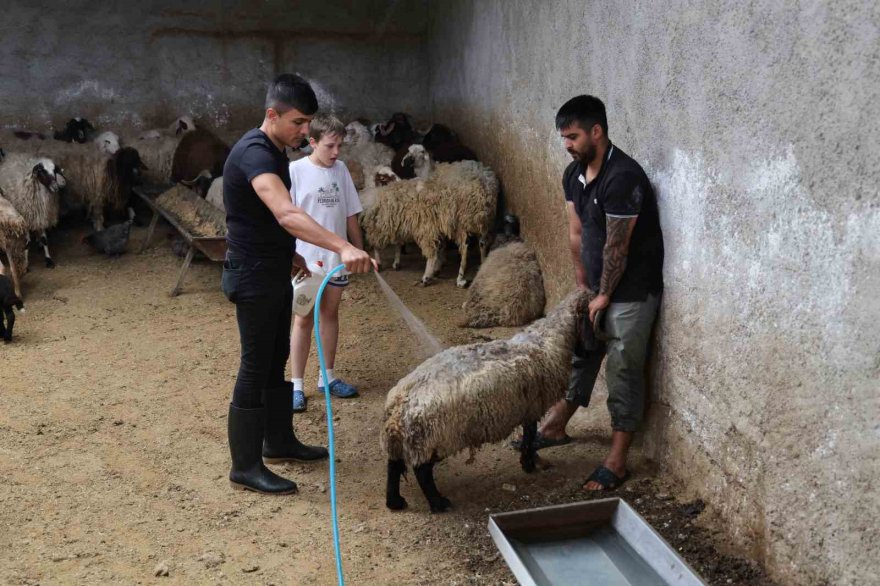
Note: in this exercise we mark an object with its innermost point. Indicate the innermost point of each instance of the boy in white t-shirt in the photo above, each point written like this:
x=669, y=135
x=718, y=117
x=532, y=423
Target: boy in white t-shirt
x=322, y=187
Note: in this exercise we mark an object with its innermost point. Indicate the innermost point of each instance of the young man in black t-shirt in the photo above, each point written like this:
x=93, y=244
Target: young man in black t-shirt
x=617, y=251
x=263, y=225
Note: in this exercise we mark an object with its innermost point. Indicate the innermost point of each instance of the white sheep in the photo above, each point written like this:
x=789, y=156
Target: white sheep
x=454, y=201
x=507, y=291
x=107, y=142
x=467, y=396
x=95, y=180
x=13, y=242
x=215, y=194
x=158, y=156
x=31, y=184
x=358, y=147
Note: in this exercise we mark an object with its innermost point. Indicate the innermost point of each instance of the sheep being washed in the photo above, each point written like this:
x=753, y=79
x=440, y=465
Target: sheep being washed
x=447, y=201
x=467, y=396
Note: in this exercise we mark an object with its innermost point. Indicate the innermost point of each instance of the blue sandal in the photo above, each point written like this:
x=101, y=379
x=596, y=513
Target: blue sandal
x=340, y=389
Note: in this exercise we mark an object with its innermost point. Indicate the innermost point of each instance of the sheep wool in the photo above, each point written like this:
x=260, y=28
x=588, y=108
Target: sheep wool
x=34, y=201
x=507, y=291
x=470, y=395
x=456, y=200
x=13, y=241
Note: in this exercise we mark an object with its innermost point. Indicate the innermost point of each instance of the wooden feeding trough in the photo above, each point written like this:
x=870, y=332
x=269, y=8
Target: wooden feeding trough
x=188, y=225
x=601, y=542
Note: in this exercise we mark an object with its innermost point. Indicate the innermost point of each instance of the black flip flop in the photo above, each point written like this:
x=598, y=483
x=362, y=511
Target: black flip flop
x=607, y=479
x=542, y=442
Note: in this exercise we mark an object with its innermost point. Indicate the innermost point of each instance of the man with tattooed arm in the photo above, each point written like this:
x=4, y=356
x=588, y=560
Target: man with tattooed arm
x=617, y=251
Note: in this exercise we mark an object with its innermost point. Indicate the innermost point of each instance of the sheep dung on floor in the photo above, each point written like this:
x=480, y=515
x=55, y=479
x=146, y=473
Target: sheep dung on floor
x=507, y=291
x=467, y=396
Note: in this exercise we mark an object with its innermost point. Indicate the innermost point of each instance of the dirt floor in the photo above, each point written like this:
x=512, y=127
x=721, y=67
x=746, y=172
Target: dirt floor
x=113, y=455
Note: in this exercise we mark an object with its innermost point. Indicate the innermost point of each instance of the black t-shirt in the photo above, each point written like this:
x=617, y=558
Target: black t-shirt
x=621, y=190
x=252, y=229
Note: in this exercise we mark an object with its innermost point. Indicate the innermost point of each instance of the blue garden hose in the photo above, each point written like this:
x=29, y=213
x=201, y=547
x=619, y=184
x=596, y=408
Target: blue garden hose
x=329, y=423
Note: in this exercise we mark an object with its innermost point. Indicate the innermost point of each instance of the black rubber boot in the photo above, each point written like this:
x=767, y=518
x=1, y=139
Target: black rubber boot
x=245, y=443
x=280, y=443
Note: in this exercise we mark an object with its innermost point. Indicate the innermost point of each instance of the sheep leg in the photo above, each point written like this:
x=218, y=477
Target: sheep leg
x=430, y=270
x=10, y=321
x=528, y=452
x=397, y=253
x=425, y=476
x=485, y=242
x=44, y=242
x=13, y=272
x=377, y=256
x=461, y=282
x=393, y=500
x=2, y=327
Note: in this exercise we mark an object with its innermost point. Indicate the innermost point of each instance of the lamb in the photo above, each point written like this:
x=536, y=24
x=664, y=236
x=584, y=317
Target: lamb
x=470, y=395
x=507, y=291
x=13, y=243
x=8, y=301
x=453, y=202
x=32, y=184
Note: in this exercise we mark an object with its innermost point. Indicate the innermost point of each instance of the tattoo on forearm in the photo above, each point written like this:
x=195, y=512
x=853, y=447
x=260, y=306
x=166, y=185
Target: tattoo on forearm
x=615, y=252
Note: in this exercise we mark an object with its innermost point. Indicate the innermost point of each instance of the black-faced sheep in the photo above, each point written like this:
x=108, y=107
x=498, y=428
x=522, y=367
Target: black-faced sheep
x=444, y=146
x=9, y=300
x=32, y=184
x=95, y=181
x=454, y=201
x=13, y=243
x=76, y=130
x=397, y=132
x=467, y=396
x=507, y=291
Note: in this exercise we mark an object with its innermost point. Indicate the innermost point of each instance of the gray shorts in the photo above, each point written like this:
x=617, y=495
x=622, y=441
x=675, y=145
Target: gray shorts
x=629, y=326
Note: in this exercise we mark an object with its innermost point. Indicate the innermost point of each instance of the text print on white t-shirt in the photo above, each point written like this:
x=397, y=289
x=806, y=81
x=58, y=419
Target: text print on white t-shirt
x=328, y=196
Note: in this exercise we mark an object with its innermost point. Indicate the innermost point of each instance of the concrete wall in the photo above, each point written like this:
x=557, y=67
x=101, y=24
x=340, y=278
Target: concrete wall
x=142, y=64
x=758, y=124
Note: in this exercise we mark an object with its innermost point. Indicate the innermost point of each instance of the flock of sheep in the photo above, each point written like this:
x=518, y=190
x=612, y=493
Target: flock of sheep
x=43, y=178
x=427, y=188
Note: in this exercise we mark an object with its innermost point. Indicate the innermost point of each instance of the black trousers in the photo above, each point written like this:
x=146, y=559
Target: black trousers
x=263, y=297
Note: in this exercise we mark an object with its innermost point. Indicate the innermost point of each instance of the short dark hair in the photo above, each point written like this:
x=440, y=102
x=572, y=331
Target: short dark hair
x=325, y=124
x=585, y=110
x=288, y=91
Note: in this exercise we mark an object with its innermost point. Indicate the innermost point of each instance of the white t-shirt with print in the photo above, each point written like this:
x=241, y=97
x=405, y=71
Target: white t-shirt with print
x=328, y=195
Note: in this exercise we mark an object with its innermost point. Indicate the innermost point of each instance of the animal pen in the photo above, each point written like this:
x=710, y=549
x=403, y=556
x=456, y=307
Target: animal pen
x=755, y=126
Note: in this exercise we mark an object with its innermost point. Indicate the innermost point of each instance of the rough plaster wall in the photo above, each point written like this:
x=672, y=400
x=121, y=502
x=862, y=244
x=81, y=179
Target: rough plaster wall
x=758, y=124
x=124, y=64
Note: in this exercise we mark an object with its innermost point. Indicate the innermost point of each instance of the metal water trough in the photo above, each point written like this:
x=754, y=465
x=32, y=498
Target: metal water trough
x=601, y=542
